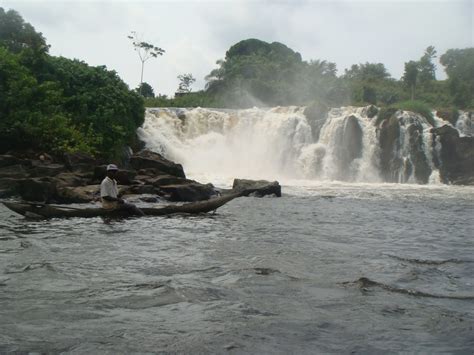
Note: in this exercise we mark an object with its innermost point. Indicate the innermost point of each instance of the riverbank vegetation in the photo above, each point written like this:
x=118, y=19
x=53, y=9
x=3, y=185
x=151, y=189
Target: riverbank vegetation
x=257, y=73
x=57, y=104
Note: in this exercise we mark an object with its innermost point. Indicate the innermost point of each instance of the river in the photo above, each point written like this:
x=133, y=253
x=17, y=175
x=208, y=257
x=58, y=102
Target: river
x=329, y=267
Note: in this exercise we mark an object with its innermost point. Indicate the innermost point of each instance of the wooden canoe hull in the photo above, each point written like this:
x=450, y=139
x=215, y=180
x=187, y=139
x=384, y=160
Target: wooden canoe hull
x=48, y=211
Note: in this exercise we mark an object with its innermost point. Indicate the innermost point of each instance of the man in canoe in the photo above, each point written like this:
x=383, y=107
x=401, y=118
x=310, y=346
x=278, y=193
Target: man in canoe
x=109, y=194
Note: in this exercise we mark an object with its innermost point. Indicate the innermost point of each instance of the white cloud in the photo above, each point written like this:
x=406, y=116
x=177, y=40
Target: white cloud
x=197, y=33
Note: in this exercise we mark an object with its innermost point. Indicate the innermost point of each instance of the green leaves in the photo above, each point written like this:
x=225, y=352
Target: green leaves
x=57, y=104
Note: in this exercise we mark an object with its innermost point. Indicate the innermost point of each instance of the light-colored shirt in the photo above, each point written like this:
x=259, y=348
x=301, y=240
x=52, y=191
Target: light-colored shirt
x=108, y=187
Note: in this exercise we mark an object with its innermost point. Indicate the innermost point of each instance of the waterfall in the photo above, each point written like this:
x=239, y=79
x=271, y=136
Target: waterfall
x=277, y=143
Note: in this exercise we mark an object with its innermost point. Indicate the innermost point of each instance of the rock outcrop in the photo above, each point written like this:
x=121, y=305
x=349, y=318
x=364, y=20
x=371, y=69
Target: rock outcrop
x=258, y=188
x=147, y=159
x=75, y=178
x=455, y=160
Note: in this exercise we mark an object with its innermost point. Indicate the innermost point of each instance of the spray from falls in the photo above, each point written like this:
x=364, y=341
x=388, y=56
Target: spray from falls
x=278, y=143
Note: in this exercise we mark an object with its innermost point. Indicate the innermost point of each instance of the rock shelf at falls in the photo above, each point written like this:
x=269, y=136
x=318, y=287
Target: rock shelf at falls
x=344, y=144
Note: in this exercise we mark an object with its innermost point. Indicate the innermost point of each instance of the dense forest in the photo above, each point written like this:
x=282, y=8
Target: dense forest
x=58, y=105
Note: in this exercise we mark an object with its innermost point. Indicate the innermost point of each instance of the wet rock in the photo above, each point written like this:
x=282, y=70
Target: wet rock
x=421, y=166
x=79, y=194
x=147, y=159
x=8, y=187
x=316, y=113
x=456, y=158
x=351, y=144
x=448, y=115
x=79, y=161
x=36, y=189
x=149, y=199
x=139, y=189
x=372, y=111
x=69, y=179
x=123, y=177
x=257, y=188
x=16, y=171
x=188, y=193
x=164, y=180
x=8, y=160
x=41, y=169
x=389, y=135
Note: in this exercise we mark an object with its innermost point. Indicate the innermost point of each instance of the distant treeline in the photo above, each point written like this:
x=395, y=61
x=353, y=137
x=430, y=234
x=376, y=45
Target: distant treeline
x=57, y=104
x=257, y=73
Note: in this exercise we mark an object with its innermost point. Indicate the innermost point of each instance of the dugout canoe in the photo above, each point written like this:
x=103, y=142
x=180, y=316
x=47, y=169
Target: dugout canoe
x=50, y=211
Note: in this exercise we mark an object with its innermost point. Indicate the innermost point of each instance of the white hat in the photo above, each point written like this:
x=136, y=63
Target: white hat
x=112, y=167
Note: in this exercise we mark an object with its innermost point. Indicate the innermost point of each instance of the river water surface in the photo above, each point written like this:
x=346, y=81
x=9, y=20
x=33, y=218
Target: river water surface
x=329, y=267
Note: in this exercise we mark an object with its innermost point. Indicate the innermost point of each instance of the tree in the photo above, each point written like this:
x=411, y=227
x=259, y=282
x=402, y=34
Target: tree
x=185, y=82
x=56, y=104
x=459, y=65
x=410, y=77
x=426, y=66
x=145, y=51
x=368, y=72
x=145, y=90
x=17, y=35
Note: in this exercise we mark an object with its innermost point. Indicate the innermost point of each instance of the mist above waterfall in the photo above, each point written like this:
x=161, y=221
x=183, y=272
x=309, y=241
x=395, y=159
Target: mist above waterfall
x=279, y=143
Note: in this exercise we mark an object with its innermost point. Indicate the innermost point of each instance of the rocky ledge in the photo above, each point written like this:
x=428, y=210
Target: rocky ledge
x=75, y=178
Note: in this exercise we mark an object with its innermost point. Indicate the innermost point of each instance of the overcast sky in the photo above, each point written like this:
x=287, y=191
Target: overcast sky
x=197, y=33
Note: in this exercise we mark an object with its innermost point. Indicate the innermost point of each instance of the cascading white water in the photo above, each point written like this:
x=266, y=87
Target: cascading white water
x=254, y=143
x=277, y=143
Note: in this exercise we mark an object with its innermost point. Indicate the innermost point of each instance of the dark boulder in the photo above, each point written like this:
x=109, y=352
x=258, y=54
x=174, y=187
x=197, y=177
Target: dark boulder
x=147, y=159
x=36, y=189
x=257, y=188
x=16, y=171
x=448, y=115
x=8, y=160
x=8, y=187
x=456, y=157
x=70, y=180
x=139, y=189
x=79, y=161
x=187, y=193
x=41, y=169
x=389, y=135
x=372, y=111
x=123, y=177
x=420, y=165
x=350, y=147
x=78, y=194
x=316, y=114
x=163, y=180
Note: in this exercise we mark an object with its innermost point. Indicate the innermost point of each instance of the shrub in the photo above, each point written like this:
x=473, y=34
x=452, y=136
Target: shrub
x=418, y=107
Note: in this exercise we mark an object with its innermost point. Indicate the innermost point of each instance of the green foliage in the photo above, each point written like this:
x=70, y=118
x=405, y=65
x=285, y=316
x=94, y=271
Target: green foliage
x=369, y=72
x=193, y=99
x=426, y=66
x=56, y=104
x=384, y=114
x=258, y=73
x=185, y=82
x=145, y=90
x=145, y=50
x=418, y=107
x=410, y=77
x=411, y=105
x=17, y=35
x=459, y=64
